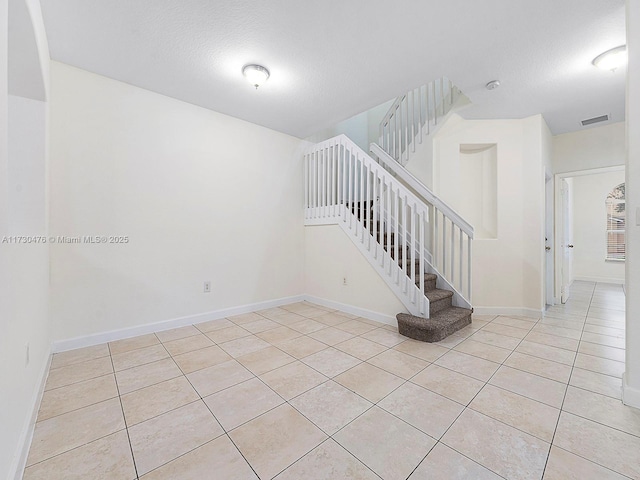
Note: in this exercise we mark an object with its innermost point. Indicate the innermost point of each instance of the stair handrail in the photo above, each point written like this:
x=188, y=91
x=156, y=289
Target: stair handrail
x=427, y=195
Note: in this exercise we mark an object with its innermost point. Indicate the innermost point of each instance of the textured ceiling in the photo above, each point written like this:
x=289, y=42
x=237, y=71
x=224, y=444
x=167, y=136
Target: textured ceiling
x=332, y=59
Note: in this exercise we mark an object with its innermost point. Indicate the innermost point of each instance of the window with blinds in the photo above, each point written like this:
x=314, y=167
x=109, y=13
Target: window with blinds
x=615, y=206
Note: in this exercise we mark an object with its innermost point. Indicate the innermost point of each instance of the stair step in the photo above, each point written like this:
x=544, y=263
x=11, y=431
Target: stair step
x=439, y=326
x=438, y=300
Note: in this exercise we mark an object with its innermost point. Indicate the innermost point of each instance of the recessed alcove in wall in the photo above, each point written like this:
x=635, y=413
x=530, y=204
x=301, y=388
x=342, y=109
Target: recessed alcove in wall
x=479, y=188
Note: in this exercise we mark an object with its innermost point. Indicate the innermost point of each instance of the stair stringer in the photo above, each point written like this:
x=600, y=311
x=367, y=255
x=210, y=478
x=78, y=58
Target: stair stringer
x=380, y=260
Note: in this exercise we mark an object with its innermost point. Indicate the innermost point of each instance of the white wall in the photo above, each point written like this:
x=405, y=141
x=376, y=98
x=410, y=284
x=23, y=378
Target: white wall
x=589, y=225
x=330, y=256
x=631, y=378
x=508, y=271
x=200, y=195
x=595, y=147
x=478, y=180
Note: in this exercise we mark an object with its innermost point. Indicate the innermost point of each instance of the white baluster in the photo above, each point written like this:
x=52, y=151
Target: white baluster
x=405, y=244
x=414, y=221
x=396, y=213
x=422, y=266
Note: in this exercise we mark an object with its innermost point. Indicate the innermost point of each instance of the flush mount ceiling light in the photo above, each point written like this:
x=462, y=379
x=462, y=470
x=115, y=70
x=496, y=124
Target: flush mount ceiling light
x=612, y=59
x=256, y=75
x=492, y=85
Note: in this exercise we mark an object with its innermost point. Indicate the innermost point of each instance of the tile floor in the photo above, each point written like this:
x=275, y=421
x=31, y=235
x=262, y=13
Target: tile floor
x=302, y=392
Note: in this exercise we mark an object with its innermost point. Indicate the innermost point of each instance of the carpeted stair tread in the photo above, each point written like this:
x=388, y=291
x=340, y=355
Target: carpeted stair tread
x=437, y=294
x=438, y=327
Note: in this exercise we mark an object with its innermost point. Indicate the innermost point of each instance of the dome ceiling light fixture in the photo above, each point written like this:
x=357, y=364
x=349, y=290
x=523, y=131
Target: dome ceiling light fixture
x=612, y=59
x=492, y=85
x=256, y=75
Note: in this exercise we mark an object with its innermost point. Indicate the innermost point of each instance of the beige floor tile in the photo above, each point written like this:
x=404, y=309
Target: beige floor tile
x=426, y=351
x=361, y=348
x=272, y=312
x=282, y=430
x=384, y=337
x=506, y=330
x=328, y=461
x=603, y=351
x=614, y=342
x=288, y=319
x=77, y=395
x=600, y=365
x=210, y=326
x=483, y=350
x=261, y=325
x=443, y=463
x=524, y=323
x=600, y=330
x=596, y=382
x=603, y=445
x=387, y=445
x=606, y=314
x=245, y=318
x=241, y=403
x=139, y=356
x=356, y=327
x=425, y=410
x=301, y=347
x=73, y=429
x=293, y=379
x=213, y=379
x=307, y=326
x=563, y=465
x=369, y=382
x=495, y=339
x=219, y=456
x=177, y=333
x=468, y=365
x=557, y=331
x=128, y=344
x=107, y=458
x=227, y=334
x=553, y=341
x=79, y=372
x=575, y=323
x=188, y=344
x=157, y=399
x=279, y=334
x=453, y=385
x=452, y=340
x=198, y=359
x=533, y=386
x=79, y=355
x=265, y=360
x=331, y=336
x=602, y=409
x=331, y=362
x=243, y=346
x=548, y=352
x=503, y=449
x=540, y=366
x=332, y=319
x=164, y=438
x=528, y=415
x=398, y=363
x=330, y=406
x=145, y=375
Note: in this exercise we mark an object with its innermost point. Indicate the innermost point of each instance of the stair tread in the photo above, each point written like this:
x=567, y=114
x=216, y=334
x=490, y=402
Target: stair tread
x=427, y=278
x=439, y=326
x=451, y=313
x=438, y=294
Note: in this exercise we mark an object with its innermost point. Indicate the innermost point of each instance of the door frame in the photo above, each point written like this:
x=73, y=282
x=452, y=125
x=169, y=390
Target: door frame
x=558, y=228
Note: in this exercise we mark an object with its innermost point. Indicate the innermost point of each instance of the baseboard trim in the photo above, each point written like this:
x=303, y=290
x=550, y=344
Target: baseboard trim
x=518, y=311
x=20, y=460
x=361, y=312
x=630, y=395
x=110, y=336
x=616, y=281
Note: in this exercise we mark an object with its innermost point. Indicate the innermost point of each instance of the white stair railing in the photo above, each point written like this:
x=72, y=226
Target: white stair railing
x=451, y=235
x=385, y=220
x=414, y=115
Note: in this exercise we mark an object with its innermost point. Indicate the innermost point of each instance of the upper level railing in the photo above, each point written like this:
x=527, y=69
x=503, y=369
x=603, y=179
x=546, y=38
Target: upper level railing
x=413, y=115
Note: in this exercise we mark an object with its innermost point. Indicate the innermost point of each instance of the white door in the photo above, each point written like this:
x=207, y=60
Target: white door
x=548, y=240
x=567, y=241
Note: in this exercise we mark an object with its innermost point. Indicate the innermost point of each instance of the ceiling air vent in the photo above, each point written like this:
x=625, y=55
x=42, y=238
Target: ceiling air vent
x=591, y=121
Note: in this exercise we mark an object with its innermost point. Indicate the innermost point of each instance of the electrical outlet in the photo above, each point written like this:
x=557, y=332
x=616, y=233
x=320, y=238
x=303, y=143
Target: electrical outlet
x=207, y=287
x=344, y=280
x=26, y=354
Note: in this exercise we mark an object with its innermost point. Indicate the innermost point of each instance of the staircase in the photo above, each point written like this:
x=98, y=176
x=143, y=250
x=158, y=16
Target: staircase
x=400, y=230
